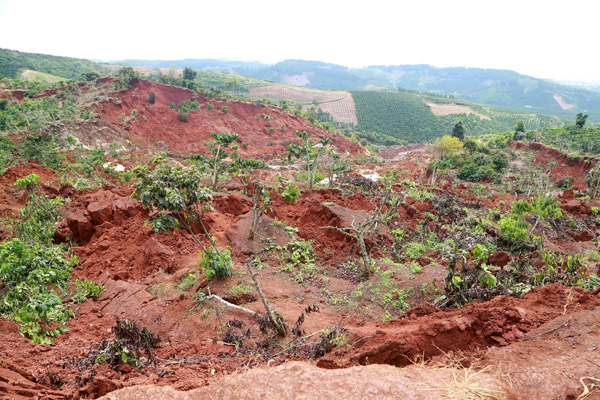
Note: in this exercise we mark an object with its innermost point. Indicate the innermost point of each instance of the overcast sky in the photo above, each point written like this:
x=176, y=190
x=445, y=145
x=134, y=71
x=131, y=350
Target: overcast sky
x=545, y=39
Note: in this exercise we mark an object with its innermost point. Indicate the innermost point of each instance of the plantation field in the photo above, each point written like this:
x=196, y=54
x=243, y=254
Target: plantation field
x=449, y=109
x=416, y=118
x=339, y=104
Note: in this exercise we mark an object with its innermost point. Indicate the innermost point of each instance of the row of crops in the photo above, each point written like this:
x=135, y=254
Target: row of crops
x=407, y=117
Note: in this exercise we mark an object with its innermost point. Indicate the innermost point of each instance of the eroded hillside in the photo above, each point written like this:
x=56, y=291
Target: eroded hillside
x=447, y=301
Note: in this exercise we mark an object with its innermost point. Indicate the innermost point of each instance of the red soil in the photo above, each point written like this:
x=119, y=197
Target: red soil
x=158, y=122
x=539, y=346
x=576, y=168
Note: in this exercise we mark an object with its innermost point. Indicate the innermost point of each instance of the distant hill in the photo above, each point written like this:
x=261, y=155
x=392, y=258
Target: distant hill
x=383, y=116
x=494, y=87
x=501, y=88
x=205, y=63
x=312, y=74
x=13, y=63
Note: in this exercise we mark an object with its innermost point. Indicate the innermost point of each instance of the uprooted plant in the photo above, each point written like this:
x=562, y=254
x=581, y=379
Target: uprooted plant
x=274, y=317
x=35, y=272
x=132, y=345
x=362, y=226
x=310, y=152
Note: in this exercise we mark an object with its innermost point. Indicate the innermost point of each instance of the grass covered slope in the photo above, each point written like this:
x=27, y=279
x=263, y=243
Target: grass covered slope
x=12, y=63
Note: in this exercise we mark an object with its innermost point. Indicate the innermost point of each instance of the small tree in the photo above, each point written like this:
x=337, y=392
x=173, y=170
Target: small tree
x=519, y=130
x=458, y=131
x=219, y=147
x=189, y=74
x=580, y=121
x=262, y=200
x=362, y=226
x=177, y=193
x=89, y=76
x=310, y=152
x=447, y=145
x=125, y=75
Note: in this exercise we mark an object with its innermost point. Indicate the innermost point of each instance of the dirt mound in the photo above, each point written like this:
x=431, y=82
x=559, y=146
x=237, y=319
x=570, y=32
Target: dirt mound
x=310, y=215
x=297, y=380
x=538, y=363
x=498, y=322
x=267, y=129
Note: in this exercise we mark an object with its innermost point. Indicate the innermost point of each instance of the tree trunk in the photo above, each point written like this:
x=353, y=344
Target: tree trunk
x=278, y=323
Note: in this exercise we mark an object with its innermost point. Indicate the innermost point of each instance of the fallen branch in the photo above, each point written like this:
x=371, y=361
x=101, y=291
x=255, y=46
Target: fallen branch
x=231, y=305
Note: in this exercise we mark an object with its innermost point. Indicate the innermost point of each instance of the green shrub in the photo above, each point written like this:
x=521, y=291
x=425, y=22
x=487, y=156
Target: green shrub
x=473, y=172
x=224, y=109
x=216, y=264
x=415, y=249
x=565, y=182
x=85, y=289
x=182, y=116
x=34, y=278
x=43, y=149
x=209, y=106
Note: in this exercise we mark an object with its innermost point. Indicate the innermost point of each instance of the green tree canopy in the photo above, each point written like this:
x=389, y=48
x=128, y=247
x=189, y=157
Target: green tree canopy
x=458, y=131
x=446, y=145
x=189, y=74
x=520, y=126
x=580, y=121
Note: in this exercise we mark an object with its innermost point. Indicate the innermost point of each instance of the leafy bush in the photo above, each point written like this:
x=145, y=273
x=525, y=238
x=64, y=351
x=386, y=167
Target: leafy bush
x=291, y=193
x=216, y=264
x=224, y=109
x=85, y=289
x=43, y=149
x=473, y=172
x=182, y=116
x=40, y=215
x=415, y=249
x=35, y=277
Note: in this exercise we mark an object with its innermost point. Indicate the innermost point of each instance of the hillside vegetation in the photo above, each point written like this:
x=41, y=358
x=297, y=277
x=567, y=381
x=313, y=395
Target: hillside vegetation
x=153, y=235
x=12, y=63
x=378, y=117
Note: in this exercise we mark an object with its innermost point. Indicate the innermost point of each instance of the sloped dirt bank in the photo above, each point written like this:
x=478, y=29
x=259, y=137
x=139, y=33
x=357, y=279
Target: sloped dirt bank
x=575, y=167
x=427, y=332
x=511, y=354
x=268, y=129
